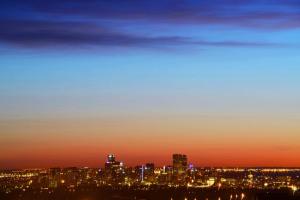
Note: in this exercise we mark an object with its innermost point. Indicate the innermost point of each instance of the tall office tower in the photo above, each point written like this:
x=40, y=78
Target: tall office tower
x=149, y=172
x=111, y=163
x=179, y=164
x=54, y=177
x=114, y=170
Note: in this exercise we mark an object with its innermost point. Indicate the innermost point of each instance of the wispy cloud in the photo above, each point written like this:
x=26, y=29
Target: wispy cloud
x=37, y=34
x=36, y=24
x=254, y=14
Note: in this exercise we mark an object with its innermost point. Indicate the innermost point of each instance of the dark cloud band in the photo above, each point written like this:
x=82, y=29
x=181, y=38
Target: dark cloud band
x=33, y=34
x=279, y=14
x=55, y=23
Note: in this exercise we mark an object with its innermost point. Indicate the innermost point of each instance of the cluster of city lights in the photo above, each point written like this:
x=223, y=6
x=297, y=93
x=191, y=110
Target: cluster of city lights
x=179, y=174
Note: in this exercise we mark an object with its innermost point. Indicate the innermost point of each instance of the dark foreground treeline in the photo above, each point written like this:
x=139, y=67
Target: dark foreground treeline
x=158, y=193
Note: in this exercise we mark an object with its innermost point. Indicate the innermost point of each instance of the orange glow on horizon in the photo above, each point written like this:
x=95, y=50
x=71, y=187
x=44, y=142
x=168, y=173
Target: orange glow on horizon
x=206, y=142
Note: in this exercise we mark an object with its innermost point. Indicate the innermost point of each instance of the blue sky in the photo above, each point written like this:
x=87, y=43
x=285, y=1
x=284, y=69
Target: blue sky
x=122, y=59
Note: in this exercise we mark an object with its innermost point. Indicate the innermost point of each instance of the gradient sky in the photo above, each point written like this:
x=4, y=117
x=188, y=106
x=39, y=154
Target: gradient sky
x=217, y=80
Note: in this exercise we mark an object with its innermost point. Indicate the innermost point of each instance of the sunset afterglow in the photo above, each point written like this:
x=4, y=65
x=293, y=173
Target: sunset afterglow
x=216, y=80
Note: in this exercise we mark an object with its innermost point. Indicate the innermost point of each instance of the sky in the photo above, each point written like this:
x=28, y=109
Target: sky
x=216, y=80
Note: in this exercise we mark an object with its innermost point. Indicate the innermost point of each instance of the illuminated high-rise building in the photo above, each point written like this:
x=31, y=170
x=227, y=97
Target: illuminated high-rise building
x=114, y=170
x=179, y=164
x=149, y=172
x=54, y=177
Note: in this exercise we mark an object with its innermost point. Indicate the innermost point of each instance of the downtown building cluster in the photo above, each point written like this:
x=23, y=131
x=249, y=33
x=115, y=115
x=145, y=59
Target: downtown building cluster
x=180, y=174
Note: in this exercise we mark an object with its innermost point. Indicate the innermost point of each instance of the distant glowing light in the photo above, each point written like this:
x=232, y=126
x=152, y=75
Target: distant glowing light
x=243, y=196
x=294, y=189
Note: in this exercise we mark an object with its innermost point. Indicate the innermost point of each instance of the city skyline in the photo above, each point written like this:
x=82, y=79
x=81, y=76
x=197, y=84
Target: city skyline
x=178, y=181
x=178, y=160
x=216, y=80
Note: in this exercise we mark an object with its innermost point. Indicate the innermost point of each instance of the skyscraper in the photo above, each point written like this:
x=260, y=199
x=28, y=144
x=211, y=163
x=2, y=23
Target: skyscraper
x=179, y=164
x=114, y=170
x=149, y=172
